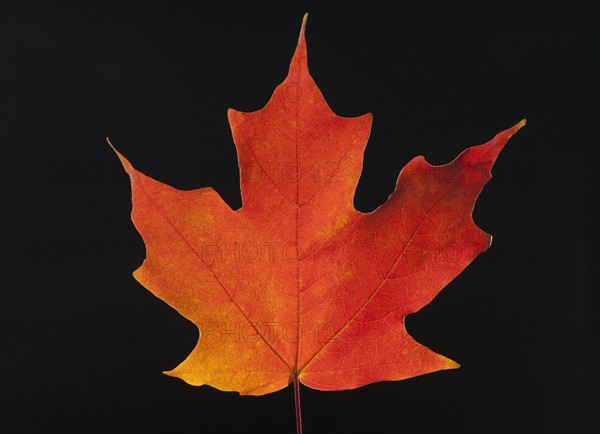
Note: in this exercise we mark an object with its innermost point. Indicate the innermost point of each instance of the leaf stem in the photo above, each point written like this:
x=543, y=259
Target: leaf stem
x=297, y=402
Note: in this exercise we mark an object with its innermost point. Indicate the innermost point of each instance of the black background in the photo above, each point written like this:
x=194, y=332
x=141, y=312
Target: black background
x=84, y=344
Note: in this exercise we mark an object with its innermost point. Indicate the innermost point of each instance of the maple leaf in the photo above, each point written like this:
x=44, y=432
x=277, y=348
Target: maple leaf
x=297, y=285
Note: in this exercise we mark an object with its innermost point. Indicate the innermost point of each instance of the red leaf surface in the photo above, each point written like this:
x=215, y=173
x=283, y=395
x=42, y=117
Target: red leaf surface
x=297, y=284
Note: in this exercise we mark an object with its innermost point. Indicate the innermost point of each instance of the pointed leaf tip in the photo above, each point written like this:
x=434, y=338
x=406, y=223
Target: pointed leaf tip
x=303, y=27
x=512, y=131
x=299, y=60
x=124, y=161
x=497, y=144
x=111, y=145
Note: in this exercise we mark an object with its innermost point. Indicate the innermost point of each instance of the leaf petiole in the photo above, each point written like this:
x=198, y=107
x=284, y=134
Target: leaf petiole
x=297, y=404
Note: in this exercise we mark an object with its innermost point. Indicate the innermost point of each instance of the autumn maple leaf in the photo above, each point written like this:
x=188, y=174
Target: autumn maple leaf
x=296, y=285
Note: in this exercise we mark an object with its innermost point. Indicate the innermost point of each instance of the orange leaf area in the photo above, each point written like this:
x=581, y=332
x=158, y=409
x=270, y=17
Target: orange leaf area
x=297, y=283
